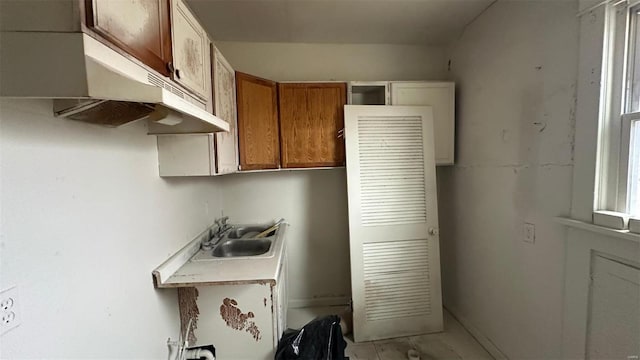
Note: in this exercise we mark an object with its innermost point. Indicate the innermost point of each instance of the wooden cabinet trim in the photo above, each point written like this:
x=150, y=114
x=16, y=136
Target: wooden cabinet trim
x=256, y=79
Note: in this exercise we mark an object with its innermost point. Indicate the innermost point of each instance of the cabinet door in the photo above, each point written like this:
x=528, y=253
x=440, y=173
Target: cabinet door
x=139, y=27
x=191, y=59
x=259, y=147
x=185, y=155
x=439, y=95
x=311, y=118
x=224, y=85
x=237, y=319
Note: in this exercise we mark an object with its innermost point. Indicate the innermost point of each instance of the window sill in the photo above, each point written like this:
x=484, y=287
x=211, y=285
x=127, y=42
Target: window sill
x=577, y=224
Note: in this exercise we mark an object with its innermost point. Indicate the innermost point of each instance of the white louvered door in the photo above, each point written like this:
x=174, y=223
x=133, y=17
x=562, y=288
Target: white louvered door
x=393, y=221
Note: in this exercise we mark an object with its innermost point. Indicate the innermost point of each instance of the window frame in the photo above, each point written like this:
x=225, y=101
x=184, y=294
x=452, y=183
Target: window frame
x=615, y=130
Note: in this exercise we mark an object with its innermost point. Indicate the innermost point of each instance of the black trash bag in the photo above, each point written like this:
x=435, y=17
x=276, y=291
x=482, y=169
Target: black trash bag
x=320, y=339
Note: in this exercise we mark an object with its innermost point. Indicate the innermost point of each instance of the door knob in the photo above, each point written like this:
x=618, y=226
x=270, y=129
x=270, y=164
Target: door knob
x=433, y=231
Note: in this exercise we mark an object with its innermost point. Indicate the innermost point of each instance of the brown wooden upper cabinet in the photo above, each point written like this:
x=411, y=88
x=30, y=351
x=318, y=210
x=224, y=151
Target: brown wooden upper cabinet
x=139, y=27
x=289, y=125
x=311, y=119
x=257, y=98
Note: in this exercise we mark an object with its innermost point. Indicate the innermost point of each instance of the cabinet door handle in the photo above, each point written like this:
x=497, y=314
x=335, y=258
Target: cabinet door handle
x=170, y=67
x=178, y=73
x=341, y=133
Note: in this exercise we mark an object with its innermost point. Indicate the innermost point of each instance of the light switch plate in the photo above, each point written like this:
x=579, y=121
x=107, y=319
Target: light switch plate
x=529, y=233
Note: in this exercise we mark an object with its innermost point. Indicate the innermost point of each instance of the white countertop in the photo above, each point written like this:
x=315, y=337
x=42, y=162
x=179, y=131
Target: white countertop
x=181, y=271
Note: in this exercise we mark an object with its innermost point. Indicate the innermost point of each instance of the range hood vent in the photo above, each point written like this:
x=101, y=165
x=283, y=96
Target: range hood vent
x=102, y=112
x=94, y=83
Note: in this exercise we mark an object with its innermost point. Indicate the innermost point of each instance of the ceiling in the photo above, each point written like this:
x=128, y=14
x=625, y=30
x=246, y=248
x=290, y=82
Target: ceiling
x=424, y=22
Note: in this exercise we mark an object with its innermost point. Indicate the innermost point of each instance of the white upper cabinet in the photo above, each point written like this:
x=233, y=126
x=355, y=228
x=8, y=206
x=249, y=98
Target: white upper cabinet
x=186, y=155
x=439, y=95
x=369, y=93
x=206, y=154
x=191, y=59
x=224, y=85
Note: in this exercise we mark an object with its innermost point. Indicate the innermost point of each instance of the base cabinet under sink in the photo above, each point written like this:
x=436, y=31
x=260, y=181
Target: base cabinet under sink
x=242, y=321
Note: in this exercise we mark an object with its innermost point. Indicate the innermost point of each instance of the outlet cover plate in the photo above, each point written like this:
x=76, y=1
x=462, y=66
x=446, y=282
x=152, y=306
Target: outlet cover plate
x=9, y=309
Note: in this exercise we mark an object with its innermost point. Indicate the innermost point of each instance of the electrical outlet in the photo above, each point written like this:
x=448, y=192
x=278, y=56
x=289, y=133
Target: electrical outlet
x=529, y=233
x=9, y=309
x=7, y=304
x=8, y=317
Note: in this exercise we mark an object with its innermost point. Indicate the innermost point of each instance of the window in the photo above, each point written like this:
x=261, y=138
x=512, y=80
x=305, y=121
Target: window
x=630, y=149
x=618, y=184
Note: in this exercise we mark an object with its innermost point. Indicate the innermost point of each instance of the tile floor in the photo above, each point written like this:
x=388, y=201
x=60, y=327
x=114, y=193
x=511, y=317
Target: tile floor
x=453, y=343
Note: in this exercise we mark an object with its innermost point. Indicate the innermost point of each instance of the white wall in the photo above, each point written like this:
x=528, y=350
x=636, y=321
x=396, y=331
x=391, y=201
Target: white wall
x=582, y=315
x=295, y=61
x=515, y=69
x=315, y=201
x=85, y=218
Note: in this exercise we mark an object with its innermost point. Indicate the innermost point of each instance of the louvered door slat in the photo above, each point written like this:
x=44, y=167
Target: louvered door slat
x=395, y=265
x=385, y=145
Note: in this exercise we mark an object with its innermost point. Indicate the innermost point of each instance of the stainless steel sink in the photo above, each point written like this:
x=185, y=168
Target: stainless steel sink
x=247, y=232
x=239, y=241
x=242, y=247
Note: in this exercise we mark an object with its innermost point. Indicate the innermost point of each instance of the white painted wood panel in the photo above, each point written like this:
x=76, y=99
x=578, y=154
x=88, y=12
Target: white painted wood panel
x=280, y=300
x=224, y=85
x=614, y=313
x=236, y=319
x=393, y=221
x=585, y=241
x=439, y=95
x=190, y=51
x=186, y=155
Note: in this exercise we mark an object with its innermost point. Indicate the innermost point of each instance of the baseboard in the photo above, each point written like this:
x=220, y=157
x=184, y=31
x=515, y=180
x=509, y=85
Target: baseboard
x=484, y=341
x=317, y=302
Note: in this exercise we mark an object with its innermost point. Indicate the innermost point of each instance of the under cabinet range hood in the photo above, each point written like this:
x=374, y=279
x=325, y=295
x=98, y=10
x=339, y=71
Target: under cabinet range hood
x=89, y=81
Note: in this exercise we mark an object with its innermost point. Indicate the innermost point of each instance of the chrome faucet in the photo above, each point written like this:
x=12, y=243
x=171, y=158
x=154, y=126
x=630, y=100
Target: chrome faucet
x=221, y=226
x=216, y=233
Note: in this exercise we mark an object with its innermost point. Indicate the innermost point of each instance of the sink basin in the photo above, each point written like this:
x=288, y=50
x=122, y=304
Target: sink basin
x=247, y=232
x=242, y=247
x=240, y=242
